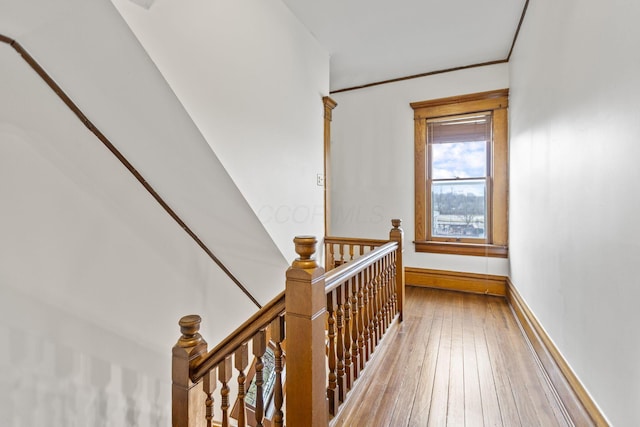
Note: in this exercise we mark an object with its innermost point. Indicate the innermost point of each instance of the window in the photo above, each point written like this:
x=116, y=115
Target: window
x=461, y=174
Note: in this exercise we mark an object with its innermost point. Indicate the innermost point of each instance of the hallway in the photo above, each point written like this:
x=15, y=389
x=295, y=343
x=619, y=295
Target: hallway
x=457, y=360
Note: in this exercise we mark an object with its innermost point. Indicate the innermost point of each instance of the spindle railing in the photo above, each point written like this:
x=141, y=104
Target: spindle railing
x=339, y=250
x=333, y=322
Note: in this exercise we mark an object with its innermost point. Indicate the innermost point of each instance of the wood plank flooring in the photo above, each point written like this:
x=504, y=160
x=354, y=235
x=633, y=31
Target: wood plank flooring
x=456, y=360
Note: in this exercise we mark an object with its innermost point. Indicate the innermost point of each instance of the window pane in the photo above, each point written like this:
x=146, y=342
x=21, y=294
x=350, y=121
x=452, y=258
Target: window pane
x=459, y=160
x=459, y=209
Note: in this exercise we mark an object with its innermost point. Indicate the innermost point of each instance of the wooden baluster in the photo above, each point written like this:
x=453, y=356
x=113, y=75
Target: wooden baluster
x=355, y=350
x=361, y=318
x=393, y=284
x=331, y=259
x=361, y=249
x=332, y=392
x=340, y=343
x=383, y=300
x=367, y=313
x=341, y=253
x=394, y=297
x=347, y=335
x=259, y=348
x=241, y=359
x=397, y=235
x=187, y=399
x=209, y=386
x=380, y=282
x=326, y=254
x=374, y=306
x=225, y=372
x=278, y=335
x=383, y=296
x=306, y=305
x=350, y=252
x=387, y=292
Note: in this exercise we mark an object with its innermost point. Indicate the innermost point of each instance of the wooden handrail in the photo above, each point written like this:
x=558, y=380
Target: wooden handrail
x=338, y=250
x=355, y=240
x=333, y=323
x=125, y=162
x=242, y=334
x=339, y=321
x=339, y=275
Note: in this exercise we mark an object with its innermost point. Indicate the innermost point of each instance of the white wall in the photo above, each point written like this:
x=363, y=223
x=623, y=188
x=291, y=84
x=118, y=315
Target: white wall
x=252, y=78
x=93, y=273
x=575, y=180
x=372, y=160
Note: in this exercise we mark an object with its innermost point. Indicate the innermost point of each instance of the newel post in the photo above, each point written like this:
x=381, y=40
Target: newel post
x=305, y=334
x=187, y=397
x=397, y=235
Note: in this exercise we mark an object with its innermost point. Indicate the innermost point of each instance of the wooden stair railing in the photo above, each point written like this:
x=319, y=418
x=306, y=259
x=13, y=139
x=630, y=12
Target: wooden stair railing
x=193, y=368
x=339, y=250
x=333, y=322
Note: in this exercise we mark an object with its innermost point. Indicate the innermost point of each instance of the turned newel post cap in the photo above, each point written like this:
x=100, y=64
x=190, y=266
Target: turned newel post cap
x=305, y=248
x=189, y=327
x=397, y=233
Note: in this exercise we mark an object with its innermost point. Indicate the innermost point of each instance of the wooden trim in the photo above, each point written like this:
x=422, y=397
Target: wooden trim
x=420, y=180
x=109, y=145
x=416, y=76
x=463, y=107
x=469, y=249
x=7, y=40
x=329, y=105
x=497, y=102
x=456, y=281
x=354, y=241
x=582, y=410
x=500, y=179
x=495, y=95
x=515, y=36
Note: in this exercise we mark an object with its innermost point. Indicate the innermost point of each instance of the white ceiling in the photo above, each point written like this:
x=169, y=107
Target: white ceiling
x=376, y=40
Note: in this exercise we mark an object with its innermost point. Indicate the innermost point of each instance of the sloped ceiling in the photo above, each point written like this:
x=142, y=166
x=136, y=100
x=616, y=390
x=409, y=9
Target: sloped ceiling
x=377, y=40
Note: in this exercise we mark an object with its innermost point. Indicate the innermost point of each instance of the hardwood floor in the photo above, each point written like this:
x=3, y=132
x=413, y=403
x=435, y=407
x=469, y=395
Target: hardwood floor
x=457, y=360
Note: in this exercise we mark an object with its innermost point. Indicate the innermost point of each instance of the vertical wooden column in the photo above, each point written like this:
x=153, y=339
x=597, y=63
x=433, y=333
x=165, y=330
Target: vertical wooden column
x=241, y=360
x=305, y=330
x=499, y=189
x=278, y=335
x=188, y=399
x=329, y=105
x=209, y=386
x=225, y=372
x=259, y=349
x=397, y=235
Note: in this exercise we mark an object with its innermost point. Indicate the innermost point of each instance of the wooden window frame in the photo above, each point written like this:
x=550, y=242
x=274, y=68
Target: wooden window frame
x=497, y=102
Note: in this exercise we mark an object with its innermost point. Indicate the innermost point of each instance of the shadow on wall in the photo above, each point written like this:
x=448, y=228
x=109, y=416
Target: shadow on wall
x=60, y=379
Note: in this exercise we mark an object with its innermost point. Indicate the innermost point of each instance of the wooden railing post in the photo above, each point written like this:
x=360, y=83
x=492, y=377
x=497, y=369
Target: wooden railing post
x=397, y=235
x=188, y=398
x=305, y=331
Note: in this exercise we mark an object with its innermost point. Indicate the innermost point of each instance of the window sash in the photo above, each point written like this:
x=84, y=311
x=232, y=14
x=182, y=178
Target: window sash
x=497, y=103
x=463, y=133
